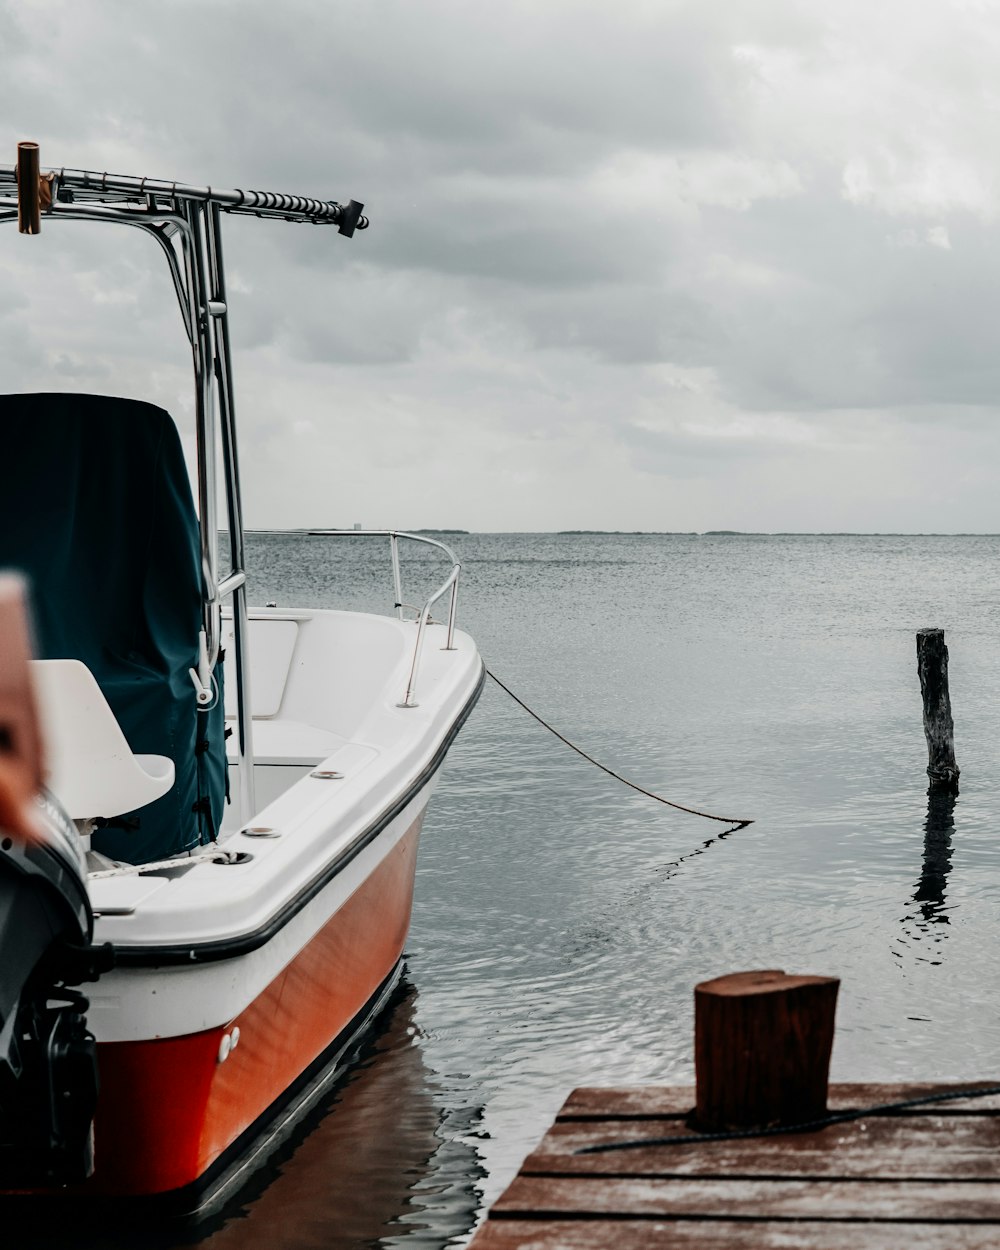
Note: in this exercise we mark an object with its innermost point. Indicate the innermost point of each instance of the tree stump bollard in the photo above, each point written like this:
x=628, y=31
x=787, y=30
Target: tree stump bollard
x=762, y=1043
x=939, y=728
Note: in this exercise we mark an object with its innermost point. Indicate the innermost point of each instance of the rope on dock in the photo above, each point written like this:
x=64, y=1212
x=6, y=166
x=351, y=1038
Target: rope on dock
x=692, y=811
x=808, y=1126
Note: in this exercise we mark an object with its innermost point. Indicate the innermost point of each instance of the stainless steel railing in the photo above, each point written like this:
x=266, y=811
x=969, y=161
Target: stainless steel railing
x=422, y=615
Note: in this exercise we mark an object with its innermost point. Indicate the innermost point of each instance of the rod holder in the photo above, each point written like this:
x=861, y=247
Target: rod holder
x=351, y=218
x=33, y=191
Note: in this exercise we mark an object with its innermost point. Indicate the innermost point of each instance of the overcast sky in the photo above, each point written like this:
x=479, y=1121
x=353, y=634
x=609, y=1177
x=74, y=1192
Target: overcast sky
x=660, y=266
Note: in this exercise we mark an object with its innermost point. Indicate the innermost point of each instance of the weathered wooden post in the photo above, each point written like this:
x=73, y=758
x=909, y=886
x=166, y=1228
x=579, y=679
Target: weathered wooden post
x=939, y=728
x=762, y=1043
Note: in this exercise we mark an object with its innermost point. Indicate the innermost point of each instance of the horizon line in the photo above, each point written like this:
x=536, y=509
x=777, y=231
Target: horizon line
x=721, y=533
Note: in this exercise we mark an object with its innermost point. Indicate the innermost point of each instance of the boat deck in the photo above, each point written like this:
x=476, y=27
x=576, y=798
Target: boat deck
x=925, y=1177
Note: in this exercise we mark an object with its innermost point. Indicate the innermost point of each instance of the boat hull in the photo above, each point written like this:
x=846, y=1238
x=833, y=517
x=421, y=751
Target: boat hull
x=174, y=1112
x=244, y=975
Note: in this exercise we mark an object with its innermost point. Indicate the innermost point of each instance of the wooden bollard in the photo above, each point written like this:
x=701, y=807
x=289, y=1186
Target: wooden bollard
x=762, y=1043
x=939, y=728
x=29, y=204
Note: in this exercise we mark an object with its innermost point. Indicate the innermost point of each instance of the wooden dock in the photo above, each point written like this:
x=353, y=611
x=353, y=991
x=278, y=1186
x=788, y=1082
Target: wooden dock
x=925, y=1177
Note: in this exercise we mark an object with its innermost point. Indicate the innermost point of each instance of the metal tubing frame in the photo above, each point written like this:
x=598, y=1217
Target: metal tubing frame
x=424, y=613
x=186, y=224
x=396, y=576
x=214, y=415
x=408, y=699
x=219, y=314
x=133, y=194
x=185, y=221
x=189, y=236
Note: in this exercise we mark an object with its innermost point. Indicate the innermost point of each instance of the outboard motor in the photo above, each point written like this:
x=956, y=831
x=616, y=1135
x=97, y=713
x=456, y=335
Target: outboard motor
x=48, y=1058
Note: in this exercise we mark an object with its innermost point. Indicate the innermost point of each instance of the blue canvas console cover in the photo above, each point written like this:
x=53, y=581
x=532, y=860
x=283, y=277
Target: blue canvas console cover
x=96, y=510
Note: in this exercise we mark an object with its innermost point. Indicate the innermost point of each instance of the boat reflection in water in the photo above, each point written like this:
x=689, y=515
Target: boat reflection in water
x=380, y=1165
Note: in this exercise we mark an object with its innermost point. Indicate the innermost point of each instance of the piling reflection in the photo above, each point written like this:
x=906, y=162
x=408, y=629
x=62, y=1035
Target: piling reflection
x=926, y=924
x=938, y=829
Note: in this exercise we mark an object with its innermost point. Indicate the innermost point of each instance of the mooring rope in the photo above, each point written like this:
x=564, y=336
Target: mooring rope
x=735, y=821
x=807, y=1126
x=217, y=856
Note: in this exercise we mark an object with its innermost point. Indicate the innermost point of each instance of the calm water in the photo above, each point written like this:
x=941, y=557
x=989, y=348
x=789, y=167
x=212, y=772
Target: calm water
x=561, y=921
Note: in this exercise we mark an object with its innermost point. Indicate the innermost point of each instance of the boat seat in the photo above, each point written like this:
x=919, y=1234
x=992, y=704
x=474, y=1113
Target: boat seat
x=90, y=767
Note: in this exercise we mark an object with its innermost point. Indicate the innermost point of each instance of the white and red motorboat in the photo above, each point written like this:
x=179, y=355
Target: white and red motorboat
x=234, y=795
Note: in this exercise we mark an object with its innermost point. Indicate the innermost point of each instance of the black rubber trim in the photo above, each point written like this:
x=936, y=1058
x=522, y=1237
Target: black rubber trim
x=228, y=948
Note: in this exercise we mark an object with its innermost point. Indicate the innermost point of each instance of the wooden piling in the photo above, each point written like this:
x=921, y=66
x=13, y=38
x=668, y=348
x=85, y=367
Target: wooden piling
x=939, y=728
x=762, y=1043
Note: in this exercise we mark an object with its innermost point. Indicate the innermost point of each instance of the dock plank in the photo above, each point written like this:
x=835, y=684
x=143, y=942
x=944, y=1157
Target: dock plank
x=883, y=1147
x=677, y=1100
x=772, y=1199
x=729, y=1235
x=925, y=1178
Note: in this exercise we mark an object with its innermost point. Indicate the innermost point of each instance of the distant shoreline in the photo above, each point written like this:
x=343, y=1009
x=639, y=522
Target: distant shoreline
x=676, y=533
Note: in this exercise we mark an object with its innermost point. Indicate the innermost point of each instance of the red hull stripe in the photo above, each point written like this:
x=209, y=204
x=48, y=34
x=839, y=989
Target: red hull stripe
x=168, y=1108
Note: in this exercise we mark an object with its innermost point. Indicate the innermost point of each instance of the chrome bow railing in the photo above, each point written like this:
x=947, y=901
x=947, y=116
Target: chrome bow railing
x=422, y=615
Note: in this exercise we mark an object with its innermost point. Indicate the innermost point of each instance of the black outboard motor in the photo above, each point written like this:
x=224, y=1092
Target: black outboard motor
x=48, y=1058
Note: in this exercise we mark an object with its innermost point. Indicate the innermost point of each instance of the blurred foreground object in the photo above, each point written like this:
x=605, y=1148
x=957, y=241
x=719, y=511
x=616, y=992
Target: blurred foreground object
x=20, y=744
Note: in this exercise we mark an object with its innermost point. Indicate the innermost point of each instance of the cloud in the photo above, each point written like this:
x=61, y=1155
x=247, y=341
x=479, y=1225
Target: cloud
x=674, y=240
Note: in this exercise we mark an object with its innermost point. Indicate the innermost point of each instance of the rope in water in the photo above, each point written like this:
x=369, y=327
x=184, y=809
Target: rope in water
x=807, y=1126
x=735, y=821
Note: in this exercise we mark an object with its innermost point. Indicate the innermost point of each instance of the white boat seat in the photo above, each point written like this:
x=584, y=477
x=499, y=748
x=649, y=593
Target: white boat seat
x=89, y=764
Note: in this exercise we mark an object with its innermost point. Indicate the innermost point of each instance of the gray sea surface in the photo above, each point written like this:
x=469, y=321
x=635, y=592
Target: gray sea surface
x=562, y=920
